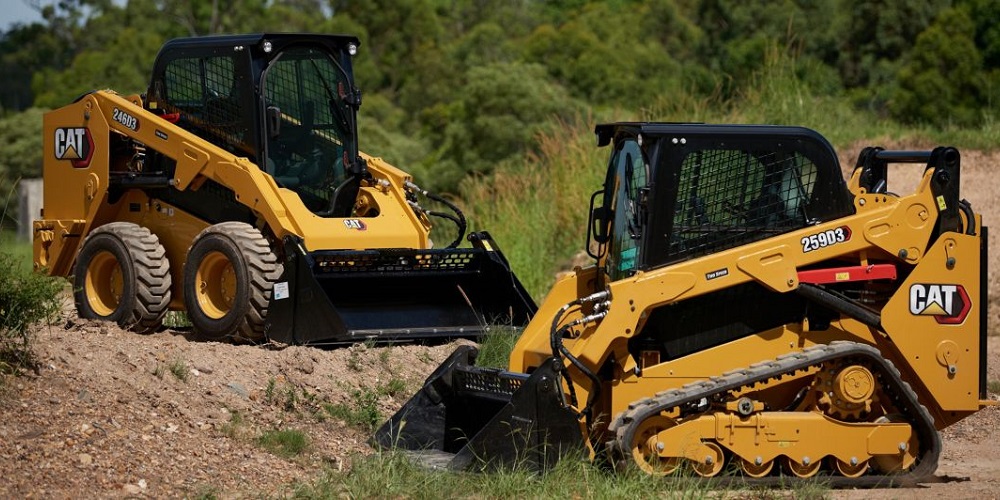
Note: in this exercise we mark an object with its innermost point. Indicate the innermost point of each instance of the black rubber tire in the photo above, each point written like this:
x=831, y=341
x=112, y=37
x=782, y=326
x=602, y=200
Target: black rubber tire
x=143, y=294
x=254, y=268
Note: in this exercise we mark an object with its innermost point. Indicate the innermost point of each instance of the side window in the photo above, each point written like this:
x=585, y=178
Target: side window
x=730, y=197
x=206, y=93
x=631, y=174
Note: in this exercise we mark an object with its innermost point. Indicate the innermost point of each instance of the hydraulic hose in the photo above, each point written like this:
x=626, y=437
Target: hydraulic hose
x=560, y=352
x=458, y=218
x=970, y=217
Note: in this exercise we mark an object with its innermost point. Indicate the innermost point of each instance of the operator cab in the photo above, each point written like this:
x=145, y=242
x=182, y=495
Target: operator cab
x=680, y=191
x=286, y=102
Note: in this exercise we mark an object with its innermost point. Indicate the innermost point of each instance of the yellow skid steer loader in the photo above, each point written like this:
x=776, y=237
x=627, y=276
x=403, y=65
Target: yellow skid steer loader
x=234, y=190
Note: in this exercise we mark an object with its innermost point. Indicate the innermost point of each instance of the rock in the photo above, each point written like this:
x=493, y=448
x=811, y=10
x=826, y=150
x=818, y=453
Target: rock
x=85, y=459
x=132, y=489
x=203, y=369
x=238, y=389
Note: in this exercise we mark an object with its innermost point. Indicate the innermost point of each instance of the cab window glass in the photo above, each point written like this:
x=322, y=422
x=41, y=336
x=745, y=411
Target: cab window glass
x=630, y=181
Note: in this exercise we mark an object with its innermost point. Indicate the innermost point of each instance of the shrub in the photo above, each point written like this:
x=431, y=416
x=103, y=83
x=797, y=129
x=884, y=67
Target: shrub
x=25, y=299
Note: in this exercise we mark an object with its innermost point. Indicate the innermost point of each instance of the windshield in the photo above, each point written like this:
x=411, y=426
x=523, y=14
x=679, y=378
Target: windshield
x=310, y=138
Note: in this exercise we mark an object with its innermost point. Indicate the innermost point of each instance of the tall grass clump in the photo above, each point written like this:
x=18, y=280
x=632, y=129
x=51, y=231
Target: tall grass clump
x=25, y=299
x=536, y=208
x=286, y=443
x=495, y=348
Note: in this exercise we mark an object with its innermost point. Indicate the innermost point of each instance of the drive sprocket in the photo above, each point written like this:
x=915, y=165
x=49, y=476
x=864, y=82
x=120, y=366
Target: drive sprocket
x=846, y=391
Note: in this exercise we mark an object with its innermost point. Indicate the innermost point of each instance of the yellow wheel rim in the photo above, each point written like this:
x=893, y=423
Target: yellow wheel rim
x=645, y=448
x=215, y=285
x=104, y=283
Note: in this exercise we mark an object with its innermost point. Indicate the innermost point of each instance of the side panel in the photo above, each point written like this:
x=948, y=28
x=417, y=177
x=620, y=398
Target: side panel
x=75, y=164
x=934, y=320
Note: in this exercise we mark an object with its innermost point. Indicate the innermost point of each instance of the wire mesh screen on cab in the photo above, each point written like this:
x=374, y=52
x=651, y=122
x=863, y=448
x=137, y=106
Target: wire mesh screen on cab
x=205, y=92
x=727, y=198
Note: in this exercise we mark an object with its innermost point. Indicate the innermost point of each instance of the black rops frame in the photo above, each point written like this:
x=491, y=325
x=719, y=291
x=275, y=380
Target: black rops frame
x=666, y=145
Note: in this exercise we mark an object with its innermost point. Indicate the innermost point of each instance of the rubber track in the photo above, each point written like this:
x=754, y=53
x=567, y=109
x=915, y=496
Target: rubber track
x=904, y=399
x=152, y=275
x=263, y=269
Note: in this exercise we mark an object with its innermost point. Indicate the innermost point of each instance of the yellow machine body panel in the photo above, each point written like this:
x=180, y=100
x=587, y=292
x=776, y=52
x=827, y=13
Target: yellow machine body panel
x=80, y=192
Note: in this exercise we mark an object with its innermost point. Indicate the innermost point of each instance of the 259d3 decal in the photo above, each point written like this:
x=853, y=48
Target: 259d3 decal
x=825, y=238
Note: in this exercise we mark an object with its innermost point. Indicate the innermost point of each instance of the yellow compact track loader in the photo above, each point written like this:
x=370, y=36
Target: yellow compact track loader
x=234, y=190
x=749, y=315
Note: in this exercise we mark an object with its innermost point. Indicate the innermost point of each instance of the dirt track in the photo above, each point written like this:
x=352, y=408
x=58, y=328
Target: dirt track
x=108, y=414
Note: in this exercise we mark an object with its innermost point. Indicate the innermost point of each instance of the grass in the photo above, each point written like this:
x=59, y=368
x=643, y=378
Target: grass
x=235, y=427
x=993, y=386
x=25, y=299
x=20, y=252
x=394, y=475
x=362, y=411
x=495, y=348
x=287, y=443
x=536, y=209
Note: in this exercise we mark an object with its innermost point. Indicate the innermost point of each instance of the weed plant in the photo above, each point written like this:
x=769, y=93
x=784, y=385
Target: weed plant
x=363, y=411
x=495, y=348
x=287, y=443
x=25, y=299
x=180, y=370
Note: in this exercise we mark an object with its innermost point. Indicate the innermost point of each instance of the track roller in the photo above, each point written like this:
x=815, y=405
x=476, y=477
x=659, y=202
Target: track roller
x=804, y=469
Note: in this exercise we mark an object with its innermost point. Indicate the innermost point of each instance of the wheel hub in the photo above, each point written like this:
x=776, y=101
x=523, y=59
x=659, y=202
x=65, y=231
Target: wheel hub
x=104, y=283
x=216, y=285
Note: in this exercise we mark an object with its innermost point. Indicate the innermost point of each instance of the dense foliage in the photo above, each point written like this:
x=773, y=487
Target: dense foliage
x=457, y=90
x=455, y=86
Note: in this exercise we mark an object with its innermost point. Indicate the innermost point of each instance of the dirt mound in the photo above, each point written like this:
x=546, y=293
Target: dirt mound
x=111, y=412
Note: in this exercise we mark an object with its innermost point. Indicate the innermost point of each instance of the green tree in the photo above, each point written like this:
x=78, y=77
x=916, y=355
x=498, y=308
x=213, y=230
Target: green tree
x=607, y=55
x=876, y=35
x=941, y=79
x=123, y=66
x=501, y=108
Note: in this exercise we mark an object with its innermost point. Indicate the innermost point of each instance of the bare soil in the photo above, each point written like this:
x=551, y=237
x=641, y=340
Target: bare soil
x=110, y=413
